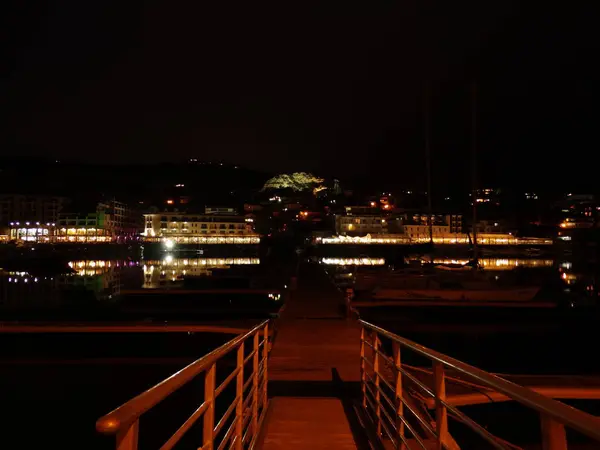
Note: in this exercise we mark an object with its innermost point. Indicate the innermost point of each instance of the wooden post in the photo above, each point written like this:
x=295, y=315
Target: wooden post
x=209, y=415
x=255, y=386
x=265, y=355
x=376, y=370
x=441, y=415
x=239, y=392
x=400, y=407
x=128, y=438
x=363, y=377
x=553, y=434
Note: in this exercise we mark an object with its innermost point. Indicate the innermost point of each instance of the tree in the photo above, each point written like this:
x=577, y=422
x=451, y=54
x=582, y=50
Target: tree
x=297, y=181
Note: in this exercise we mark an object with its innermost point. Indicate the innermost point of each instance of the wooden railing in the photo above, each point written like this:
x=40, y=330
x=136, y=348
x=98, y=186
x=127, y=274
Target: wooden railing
x=248, y=406
x=388, y=397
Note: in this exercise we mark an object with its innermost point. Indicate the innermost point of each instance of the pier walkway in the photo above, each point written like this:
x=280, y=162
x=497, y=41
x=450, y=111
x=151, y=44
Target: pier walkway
x=314, y=379
x=314, y=369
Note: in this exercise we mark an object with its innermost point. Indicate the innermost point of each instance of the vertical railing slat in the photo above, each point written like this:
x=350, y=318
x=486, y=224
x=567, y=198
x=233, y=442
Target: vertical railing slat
x=441, y=415
x=128, y=438
x=265, y=358
x=239, y=393
x=399, y=393
x=363, y=377
x=376, y=370
x=255, y=385
x=209, y=415
x=553, y=434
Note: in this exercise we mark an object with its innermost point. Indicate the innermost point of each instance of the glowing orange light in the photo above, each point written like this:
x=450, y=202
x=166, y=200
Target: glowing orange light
x=386, y=206
x=169, y=202
x=372, y=203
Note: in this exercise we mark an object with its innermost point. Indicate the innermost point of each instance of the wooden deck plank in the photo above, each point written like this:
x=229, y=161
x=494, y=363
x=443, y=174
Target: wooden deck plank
x=315, y=351
x=307, y=423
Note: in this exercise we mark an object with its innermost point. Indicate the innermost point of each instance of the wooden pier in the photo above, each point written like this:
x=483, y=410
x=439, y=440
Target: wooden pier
x=314, y=369
x=316, y=379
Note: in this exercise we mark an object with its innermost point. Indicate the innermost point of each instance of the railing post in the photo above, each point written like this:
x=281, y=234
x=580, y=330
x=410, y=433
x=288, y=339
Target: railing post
x=363, y=377
x=441, y=415
x=399, y=394
x=239, y=392
x=128, y=438
x=265, y=379
x=255, y=386
x=376, y=370
x=553, y=434
x=209, y=415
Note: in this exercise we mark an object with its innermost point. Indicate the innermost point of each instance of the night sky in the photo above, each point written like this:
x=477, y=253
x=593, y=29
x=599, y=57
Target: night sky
x=300, y=85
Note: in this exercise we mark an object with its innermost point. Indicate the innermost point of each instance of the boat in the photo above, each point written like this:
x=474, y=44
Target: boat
x=518, y=294
x=451, y=285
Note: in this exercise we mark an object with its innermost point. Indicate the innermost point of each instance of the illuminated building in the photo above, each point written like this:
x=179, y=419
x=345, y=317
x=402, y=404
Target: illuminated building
x=416, y=226
x=78, y=227
x=441, y=239
x=29, y=208
x=111, y=221
x=31, y=231
x=194, y=228
x=360, y=225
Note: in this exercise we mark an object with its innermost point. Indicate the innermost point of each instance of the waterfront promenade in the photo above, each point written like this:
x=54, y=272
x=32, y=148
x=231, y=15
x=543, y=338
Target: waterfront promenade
x=314, y=370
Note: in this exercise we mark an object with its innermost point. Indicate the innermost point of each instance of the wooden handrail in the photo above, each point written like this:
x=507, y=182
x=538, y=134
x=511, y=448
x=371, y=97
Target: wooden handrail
x=117, y=328
x=548, y=408
x=130, y=411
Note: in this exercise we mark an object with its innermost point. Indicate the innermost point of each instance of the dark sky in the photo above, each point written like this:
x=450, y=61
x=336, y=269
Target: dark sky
x=297, y=85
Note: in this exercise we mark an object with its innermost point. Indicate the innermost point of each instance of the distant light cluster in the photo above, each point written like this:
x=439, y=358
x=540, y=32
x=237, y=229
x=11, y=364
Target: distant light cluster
x=297, y=181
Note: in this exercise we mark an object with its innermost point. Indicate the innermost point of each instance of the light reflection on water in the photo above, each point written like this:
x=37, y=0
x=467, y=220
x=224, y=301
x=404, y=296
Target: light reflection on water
x=578, y=286
x=102, y=279
x=171, y=271
x=501, y=263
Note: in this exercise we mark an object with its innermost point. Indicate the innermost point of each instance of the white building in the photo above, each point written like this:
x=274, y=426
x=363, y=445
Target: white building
x=361, y=225
x=195, y=228
x=417, y=227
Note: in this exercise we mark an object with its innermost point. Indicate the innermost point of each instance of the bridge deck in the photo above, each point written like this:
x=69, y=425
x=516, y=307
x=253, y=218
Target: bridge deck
x=314, y=369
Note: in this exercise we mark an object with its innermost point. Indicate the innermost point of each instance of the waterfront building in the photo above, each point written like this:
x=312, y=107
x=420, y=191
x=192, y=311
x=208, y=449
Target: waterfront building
x=361, y=225
x=185, y=227
x=31, y=231
x=111, y=221
x=360, y=220
x=29, y=208
x=416, y=226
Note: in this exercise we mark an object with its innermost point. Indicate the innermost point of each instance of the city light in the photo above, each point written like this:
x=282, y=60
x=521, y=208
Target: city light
x=353, y=261
x=228, y=239
x=452, y=239
x=169, y=244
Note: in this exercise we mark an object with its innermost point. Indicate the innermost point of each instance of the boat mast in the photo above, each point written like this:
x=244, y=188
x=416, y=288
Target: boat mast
x=428, y=160
x=474, y=165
